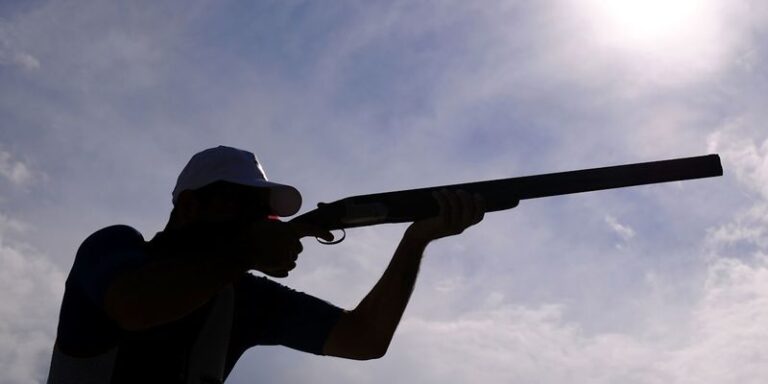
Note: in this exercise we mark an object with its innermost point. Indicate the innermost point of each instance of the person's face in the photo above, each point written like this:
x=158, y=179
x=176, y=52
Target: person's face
x=222, y=202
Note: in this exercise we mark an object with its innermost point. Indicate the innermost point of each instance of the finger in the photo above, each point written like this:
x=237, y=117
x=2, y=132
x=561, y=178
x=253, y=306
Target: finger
x=291, y=265
x=467, y=208
x=454, y=207
x=298, y=247
x=479, y=203
x=441, y=202
x=325, y=235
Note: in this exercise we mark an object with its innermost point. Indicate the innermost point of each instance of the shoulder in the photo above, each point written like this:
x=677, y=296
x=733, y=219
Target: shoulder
x=104, y=255
x=114, y=235
x=108, y=250
x=109, y=239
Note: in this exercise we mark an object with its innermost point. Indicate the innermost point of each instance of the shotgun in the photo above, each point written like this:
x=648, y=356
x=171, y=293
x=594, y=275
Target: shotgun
x=416, y=204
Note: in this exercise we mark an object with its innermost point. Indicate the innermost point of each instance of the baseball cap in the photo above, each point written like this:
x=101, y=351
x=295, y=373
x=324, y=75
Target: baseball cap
x=238, y=167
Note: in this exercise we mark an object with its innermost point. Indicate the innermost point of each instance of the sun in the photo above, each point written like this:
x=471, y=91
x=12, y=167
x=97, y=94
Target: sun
x=660, y=41
x=651, y=21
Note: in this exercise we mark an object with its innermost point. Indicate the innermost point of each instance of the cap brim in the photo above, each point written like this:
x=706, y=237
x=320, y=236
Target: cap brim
x=284, y=200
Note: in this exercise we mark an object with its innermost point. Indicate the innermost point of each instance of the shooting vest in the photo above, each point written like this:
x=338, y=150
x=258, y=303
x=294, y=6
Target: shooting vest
x=205, y=364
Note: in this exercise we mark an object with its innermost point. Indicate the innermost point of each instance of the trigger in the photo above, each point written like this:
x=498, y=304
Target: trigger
x=334, y=241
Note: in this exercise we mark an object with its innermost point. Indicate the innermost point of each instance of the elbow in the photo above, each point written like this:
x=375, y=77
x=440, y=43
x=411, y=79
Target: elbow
x=376, y=354
x=359, y=351
x=364, y=354
x=374, y=351
x=356, y=337
x=351, y=340
x=378, y=348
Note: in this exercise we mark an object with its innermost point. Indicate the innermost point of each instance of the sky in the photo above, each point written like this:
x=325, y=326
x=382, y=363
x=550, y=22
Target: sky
x=102, y=103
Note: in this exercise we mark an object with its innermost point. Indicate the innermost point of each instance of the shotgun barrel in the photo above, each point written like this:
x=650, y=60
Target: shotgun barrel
x=415, y=204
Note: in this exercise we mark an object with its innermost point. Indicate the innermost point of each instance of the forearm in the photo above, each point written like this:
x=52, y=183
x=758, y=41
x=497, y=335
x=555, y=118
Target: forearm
x=384, y=305
x=366, y=331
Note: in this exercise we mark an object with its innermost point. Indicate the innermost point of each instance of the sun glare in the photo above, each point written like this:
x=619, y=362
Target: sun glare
x=647, y=21
x=667, y=40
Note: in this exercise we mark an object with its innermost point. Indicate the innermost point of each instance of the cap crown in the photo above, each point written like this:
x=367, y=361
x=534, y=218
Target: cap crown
x=236, y=166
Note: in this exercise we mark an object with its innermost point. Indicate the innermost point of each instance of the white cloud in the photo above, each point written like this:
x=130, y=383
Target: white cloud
x=26, y=61
x=746, y=158
x=10, y=55
x=625, y=232
x=15, y=171
x=750, y=227
x=728, y=339
x=20, y=60
x=744, y=155
x=450, y=284
x=723, y=340
x=10, y=225
x=30, y=292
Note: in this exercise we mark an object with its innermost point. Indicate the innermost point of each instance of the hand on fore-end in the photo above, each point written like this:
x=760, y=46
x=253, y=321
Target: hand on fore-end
x=458, y=211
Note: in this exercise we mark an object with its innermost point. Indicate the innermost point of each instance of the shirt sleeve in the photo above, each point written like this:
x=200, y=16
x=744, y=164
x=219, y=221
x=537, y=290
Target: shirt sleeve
x=269, y=313
x=103, y=256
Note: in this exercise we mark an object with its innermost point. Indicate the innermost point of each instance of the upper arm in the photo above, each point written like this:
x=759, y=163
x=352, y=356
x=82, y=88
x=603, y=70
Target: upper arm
x=84, y=328
x=270, y=313
x=102, y=257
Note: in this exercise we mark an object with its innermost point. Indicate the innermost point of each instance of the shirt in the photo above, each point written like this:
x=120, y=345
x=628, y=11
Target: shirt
x=202, y=347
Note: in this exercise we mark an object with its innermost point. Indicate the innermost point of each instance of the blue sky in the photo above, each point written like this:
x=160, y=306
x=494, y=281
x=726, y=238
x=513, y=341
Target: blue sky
x=102, y=104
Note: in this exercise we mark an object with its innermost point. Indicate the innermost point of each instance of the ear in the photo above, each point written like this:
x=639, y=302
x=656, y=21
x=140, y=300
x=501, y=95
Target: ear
x=188, y=207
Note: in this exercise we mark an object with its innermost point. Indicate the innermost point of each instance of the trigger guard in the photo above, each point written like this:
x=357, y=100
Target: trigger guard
x=332, y=242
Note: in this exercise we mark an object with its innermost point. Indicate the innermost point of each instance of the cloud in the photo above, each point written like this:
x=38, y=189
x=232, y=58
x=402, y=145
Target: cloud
x=720, y=338
x=745, y=154
x=9, y=225
x=745, y=157
x=750, y=227
x=15, y=171
x=31, y=288
x=728, y=339
x=10, y=55
x=625, y=232
x=724, y=340
x=26, y=61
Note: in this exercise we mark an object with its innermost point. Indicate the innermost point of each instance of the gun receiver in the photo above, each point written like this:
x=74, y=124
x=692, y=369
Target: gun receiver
x=415, y=204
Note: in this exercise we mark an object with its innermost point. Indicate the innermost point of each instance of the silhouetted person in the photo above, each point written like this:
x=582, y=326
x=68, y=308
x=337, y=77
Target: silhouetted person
x=182, y=307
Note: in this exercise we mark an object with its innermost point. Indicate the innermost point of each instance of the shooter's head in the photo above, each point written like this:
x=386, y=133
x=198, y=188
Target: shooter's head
x=226, y=183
